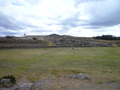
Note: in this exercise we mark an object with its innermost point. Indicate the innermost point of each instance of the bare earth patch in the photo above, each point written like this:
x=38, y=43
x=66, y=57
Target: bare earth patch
x=74, y=84
x=24, y=80
x=70, y=84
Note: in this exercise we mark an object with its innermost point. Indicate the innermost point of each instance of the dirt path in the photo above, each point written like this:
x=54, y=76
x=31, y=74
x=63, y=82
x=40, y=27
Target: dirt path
x=24, y=80
x=74, y=84
x=70, y=84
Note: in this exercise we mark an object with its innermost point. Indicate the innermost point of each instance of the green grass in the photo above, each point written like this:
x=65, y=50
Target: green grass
x=97, y=63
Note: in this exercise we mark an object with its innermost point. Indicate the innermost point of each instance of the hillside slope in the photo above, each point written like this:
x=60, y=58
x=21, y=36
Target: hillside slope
x=54, y=41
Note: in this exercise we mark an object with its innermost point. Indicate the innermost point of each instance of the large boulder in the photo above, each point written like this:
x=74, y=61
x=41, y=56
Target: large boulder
x=31, y=86
x=24, y=86
x=6, y=83
x=80, y=76
x=40, y=83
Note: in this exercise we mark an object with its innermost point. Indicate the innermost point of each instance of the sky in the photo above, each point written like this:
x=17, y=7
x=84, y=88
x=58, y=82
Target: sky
x=82, y=18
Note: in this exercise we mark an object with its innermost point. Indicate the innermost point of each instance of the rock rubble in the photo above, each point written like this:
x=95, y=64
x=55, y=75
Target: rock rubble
x=80, y=76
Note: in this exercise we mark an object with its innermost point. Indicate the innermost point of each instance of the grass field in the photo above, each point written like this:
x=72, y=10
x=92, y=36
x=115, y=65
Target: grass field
x=100, y=64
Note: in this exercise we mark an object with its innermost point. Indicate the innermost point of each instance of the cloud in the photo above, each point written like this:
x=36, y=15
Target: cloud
x=59, y=16
x=108, y=15
x=101, y=13
x=71, y=19
x=11, y=23
x=5, y=32
x=8, y=22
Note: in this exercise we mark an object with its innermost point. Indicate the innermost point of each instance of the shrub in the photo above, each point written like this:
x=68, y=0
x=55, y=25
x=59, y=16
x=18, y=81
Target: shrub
x=34, y=38
x=9, y=37
x=12, y=78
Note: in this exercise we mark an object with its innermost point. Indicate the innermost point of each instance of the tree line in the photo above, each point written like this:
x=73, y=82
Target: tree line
x=107, y=37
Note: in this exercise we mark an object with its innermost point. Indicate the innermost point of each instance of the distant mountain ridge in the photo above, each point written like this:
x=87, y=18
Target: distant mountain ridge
x=54, y=35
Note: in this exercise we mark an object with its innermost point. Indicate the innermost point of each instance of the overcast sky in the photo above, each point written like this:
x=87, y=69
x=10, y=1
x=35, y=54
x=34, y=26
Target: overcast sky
x=84, y=18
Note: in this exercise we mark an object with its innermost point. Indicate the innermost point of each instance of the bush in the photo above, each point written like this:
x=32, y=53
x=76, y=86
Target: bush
x=34, y=38
x=107, y=37
x=12, y=78
x=9, y=37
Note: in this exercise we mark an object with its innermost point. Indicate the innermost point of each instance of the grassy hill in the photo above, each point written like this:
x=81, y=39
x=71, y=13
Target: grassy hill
x=54, y=40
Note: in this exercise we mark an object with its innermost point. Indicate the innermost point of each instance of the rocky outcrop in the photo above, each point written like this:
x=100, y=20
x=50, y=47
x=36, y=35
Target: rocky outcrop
x=6, y=83
x=80, y=43
x=80, y=76
x=64, y=40
x=53, y=40
x=66, y=84
x=31, y=86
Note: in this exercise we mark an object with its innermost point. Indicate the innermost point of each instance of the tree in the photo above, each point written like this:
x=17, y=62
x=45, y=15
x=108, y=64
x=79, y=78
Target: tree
x=107, y=37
